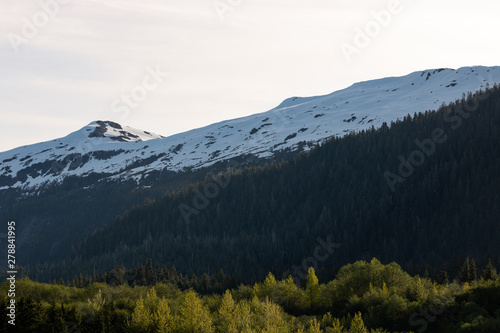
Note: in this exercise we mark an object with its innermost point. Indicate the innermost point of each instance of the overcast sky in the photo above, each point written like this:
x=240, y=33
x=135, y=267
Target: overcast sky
x=66, y=63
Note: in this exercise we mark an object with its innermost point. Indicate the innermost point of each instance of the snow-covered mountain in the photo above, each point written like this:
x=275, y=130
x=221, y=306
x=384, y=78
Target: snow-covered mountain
x=120, y=152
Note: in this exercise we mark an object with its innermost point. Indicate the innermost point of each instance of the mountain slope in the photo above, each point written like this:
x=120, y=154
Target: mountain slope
x=331, y=206
x=121, y=153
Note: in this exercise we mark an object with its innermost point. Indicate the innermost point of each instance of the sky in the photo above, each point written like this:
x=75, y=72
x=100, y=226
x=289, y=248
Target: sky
x=173, y=65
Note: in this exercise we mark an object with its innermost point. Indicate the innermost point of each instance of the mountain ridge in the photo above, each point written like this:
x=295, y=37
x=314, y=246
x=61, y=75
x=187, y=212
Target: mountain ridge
x=120, y=153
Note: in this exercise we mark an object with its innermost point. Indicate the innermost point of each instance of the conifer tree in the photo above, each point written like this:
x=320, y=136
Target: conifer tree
x=162, y=317
x=273, y=321
x=337, y=327
x=442, y=278
x=357, y=324
x=97, y=302
x=420, y=292
x=473, y=271
x=463, y=275
x=194, y=316
x=489, y=272
x=226, y=312
x=151, y=300
x=312, y=280
x=149, y=274
x=140, y=276
x=243, y=315
x=141, y=317
x=468, y=271
x=270, y=281
x=314, y=326
x=312, y=288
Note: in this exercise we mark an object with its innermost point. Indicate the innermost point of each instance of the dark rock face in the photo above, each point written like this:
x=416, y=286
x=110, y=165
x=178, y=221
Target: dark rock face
x=112, y=124
x=103, y=127
x=99, y=131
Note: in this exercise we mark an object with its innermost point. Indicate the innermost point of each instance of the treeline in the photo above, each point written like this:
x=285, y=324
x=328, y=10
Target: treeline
x=364, y=297
x=423, y=192
x=149, y=275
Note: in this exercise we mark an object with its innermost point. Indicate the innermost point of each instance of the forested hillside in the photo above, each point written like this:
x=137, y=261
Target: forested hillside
x=60, y=216
x=423, y=191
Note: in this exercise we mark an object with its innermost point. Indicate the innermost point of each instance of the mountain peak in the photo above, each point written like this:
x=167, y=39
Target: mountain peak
x=116, y=132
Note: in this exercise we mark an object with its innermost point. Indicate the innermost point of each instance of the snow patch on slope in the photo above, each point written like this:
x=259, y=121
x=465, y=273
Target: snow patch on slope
x=122, y=152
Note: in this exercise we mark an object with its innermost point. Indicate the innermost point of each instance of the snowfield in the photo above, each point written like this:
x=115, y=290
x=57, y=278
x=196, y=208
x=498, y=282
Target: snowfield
x=122, y=152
